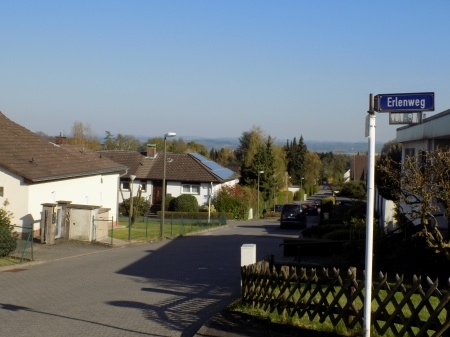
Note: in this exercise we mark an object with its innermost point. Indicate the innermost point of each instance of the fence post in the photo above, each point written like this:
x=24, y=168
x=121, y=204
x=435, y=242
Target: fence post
x=112, y=230
x=32, y=239
x=351, y=289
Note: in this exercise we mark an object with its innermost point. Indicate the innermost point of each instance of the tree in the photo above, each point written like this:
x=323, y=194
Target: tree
x=248, y=145
x=423, y=183
x=193, y=147
x=8, y=241
x=225, y=157
x=387, y=171
x=334, y=166
x=82, y=134
x=121, y=142
x=313, y=167
x=172, y=145
x=251, y=156
x=295, y=160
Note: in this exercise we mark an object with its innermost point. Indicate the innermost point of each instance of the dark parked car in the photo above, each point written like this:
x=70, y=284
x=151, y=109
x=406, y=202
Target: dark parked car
x=312, y=209
x=292, y=215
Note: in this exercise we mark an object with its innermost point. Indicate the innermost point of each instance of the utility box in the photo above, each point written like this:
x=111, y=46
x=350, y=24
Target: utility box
x=248, y=254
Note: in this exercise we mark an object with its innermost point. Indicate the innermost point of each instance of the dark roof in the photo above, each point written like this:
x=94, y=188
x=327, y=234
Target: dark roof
x=36, y=159
x=137, y=164
x=183, y=167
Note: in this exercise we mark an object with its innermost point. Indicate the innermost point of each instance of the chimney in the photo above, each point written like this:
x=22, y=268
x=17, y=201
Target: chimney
x=60, y=139
x=151, y=150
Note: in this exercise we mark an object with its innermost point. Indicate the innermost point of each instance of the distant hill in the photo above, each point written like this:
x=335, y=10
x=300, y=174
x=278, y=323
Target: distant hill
x=312, y=145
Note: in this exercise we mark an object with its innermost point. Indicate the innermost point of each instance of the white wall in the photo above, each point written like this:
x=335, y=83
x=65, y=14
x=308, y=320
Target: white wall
x=26, y=200
x=147, y=194
x=175, y=189
x=15, y=192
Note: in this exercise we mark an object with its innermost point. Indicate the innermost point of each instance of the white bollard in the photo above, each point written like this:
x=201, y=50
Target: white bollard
x=248, y=254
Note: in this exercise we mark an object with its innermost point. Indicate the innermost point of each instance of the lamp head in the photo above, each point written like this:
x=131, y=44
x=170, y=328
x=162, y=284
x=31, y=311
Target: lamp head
x=169, y=134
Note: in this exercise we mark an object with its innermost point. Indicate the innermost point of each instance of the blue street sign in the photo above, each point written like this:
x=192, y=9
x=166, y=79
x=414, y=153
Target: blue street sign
x=421, y=101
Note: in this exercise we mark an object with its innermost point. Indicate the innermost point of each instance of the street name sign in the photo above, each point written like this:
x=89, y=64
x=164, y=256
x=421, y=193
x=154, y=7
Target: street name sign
x=421, y=101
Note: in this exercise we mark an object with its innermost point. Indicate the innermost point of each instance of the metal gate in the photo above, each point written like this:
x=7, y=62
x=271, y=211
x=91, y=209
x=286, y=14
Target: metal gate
x=103, y=230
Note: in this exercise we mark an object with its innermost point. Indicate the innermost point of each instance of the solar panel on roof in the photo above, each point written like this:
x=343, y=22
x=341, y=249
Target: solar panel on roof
x=220, y=171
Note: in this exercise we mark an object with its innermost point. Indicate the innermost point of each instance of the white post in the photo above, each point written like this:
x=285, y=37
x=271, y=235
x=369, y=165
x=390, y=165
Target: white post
x=248, y=254
x=369, y=220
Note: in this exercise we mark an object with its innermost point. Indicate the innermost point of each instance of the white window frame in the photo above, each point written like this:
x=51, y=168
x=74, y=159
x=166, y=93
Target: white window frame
x=144, y=185
x=190, y=189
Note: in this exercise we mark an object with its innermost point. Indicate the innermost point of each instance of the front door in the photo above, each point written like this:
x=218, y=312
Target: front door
x=157, y=192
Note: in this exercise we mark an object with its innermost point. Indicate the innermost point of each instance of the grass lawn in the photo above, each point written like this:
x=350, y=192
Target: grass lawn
x=150, y=229
x=8, y=261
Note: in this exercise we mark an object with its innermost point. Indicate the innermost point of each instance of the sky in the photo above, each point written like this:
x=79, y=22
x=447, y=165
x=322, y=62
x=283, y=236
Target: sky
x=210, y=68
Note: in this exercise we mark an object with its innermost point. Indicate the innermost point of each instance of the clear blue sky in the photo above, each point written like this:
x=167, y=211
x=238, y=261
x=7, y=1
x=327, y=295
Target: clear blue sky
x=218, y=68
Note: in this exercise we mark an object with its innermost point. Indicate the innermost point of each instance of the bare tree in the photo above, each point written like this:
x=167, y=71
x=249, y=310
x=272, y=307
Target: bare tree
x=424, y=187
x=82, y=134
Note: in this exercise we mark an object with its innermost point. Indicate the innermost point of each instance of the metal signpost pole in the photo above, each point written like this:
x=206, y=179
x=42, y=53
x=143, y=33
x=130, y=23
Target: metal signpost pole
x=163, y=202
x=399, y=106
x=369, y=219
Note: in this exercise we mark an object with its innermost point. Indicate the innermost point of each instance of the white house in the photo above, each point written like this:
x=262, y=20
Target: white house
x=187, y=173
x=41, y=181
x=432, y=133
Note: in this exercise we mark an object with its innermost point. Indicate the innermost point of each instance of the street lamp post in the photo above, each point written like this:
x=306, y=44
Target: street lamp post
x=259, y=172
x=301, y=189
x=130, y=222
x=163, y=202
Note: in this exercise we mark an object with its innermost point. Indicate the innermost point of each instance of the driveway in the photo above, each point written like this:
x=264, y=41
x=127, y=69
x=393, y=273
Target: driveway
x=168, y=288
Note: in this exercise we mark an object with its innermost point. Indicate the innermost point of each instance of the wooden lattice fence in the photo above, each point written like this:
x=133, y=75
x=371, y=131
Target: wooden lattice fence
x=398, y=308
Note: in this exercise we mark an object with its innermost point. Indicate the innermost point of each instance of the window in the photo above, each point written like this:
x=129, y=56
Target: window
x=1, y=191
x=125, y=185
x=410, y=152
x=144, y=186
x=191, y=189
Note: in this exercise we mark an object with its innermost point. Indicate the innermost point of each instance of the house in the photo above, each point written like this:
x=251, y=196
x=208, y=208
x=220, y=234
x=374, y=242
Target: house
x=186, y=173
x=432, y=133
x=48, y=185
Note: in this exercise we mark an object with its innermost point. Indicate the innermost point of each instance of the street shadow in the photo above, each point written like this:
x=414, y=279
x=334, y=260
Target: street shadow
x=189, y=278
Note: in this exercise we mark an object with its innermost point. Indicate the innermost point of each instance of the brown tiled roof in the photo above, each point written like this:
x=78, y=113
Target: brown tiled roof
x=179, y=167
x=138, y=164
x=182, y=167
x=36, y=159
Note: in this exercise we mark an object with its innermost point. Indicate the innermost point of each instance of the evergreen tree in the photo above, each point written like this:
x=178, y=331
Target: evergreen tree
x=296, y=156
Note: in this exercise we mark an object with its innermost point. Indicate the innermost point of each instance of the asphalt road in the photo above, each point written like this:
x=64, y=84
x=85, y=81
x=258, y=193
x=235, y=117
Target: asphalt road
x=168, y=288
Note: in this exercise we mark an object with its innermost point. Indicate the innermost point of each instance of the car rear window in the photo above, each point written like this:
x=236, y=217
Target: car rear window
x=291, y=208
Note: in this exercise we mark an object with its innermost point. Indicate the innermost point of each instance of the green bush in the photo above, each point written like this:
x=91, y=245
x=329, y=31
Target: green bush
x=233, y=199
x=354, y=190
x=281, y=197
x=143, y=206
x=185, y=203
x=326, y=205
x=8, y=241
